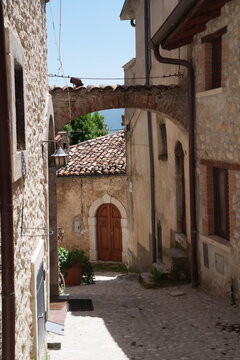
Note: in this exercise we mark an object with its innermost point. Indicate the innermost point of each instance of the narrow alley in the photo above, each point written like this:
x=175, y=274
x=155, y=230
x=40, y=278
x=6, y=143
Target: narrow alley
x=130, y=322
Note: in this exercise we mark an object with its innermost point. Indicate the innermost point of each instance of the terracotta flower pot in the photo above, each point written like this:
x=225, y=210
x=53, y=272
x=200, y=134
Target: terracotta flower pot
x=73, y=275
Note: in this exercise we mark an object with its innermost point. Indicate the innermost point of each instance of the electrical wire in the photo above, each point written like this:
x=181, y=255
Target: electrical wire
x=117, y=78
x=60, y=29
x=58, y=47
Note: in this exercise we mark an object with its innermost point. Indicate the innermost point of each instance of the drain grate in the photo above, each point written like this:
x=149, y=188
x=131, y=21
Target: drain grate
x=80, y=305
x=229, y=327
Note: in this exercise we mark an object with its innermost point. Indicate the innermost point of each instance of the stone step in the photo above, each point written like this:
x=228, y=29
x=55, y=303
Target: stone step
x=145, y=279
x=176, y=259
x=168, y=276
x=174, y=269
x=161, y=267
x=162, y=277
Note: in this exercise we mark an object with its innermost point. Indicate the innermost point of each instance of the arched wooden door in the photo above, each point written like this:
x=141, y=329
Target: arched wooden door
x=109, y=233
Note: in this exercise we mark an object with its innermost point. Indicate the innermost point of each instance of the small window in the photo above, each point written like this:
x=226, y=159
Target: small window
x=212, y=47
x=180, y=189
x=216, y=62
x=19, y=103
x=221, y=221
x=163, y=153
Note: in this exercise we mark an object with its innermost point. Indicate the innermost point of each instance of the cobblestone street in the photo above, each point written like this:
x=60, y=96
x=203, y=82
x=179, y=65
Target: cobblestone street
x=130, y=322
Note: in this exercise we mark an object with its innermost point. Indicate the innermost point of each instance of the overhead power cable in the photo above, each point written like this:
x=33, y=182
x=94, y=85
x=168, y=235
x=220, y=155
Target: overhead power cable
x=117, y=78
x=58, y=47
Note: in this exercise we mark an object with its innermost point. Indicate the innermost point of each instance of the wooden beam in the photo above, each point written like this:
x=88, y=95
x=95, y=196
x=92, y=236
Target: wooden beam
x=203, y=12
x=204, y=17
x=190, y=32
x=177, y=44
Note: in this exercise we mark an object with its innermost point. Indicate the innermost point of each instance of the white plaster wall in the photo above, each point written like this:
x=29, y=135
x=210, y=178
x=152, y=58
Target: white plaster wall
x=165, y=180
x=138, y=194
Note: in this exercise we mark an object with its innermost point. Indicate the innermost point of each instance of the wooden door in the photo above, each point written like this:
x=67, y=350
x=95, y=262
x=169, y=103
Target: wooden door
x=109, y=233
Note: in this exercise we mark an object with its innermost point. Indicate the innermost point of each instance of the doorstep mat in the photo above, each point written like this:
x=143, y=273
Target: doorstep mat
x=80, y=305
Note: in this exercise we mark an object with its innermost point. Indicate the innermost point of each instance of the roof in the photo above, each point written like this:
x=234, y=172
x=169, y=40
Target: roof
x=129, y=9
x=187, y=19
x=104, y=155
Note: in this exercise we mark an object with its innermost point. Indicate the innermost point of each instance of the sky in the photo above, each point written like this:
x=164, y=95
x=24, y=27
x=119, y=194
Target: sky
x=94, y=42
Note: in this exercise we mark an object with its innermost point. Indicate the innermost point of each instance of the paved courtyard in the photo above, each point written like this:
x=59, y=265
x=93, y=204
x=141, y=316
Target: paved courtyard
x=130, y=322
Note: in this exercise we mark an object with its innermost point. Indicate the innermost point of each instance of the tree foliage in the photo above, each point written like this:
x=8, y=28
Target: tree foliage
x=86, y=127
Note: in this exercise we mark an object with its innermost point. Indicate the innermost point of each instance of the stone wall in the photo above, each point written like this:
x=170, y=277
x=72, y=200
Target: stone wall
x=75, y=198
x=26, y=21
x=217, y=145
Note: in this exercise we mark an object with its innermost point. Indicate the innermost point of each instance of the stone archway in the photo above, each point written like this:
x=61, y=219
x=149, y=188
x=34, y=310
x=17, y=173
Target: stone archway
x=69, y=103
x=92, y=223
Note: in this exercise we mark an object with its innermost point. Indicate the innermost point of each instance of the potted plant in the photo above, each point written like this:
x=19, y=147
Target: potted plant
x=75, y=266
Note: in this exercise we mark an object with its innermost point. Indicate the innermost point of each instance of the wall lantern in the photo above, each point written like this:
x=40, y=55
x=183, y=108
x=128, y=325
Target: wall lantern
x=60, y=157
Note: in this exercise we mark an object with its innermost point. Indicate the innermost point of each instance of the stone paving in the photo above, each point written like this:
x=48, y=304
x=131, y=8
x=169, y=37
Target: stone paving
x=130, y=322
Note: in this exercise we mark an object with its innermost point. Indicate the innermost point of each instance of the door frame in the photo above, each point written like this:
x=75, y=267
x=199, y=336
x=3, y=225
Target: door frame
x=92, y=223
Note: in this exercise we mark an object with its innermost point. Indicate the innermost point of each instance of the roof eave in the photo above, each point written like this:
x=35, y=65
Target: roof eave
x=129, y=9
x=173, y=20
x=187, y=19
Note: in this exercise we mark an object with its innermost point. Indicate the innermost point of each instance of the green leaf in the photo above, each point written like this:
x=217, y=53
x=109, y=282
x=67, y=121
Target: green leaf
x=86, y=127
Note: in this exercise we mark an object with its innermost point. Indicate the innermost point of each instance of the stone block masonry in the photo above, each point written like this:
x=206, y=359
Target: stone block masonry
x=170, y=100
x=217, y=137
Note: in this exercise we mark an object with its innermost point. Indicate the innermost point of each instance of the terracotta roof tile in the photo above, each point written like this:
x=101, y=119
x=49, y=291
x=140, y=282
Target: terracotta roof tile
x=101, y=156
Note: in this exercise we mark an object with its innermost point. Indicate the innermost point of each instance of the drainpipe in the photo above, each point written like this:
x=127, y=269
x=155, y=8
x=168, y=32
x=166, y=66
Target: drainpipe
x=7, y=239
x=191, y=144
x=132, y=23
x=150, y=139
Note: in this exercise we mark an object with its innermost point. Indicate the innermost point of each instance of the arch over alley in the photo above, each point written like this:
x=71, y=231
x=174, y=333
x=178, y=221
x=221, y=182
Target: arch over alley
x=69, y=103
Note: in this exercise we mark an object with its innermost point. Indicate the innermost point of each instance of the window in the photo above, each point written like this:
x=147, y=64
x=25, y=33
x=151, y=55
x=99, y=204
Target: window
x=218, y=181
x=180, y=189
x=19, y=103
x=216, y=62
x=214, y=58
x=163, y=153
x=220, y=185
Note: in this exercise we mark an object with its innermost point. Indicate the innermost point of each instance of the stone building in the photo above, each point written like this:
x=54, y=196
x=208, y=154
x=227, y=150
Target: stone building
x=91, y=198
x=206, y=34
x=215, y=57
x=31, y=117
x=157, y=148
